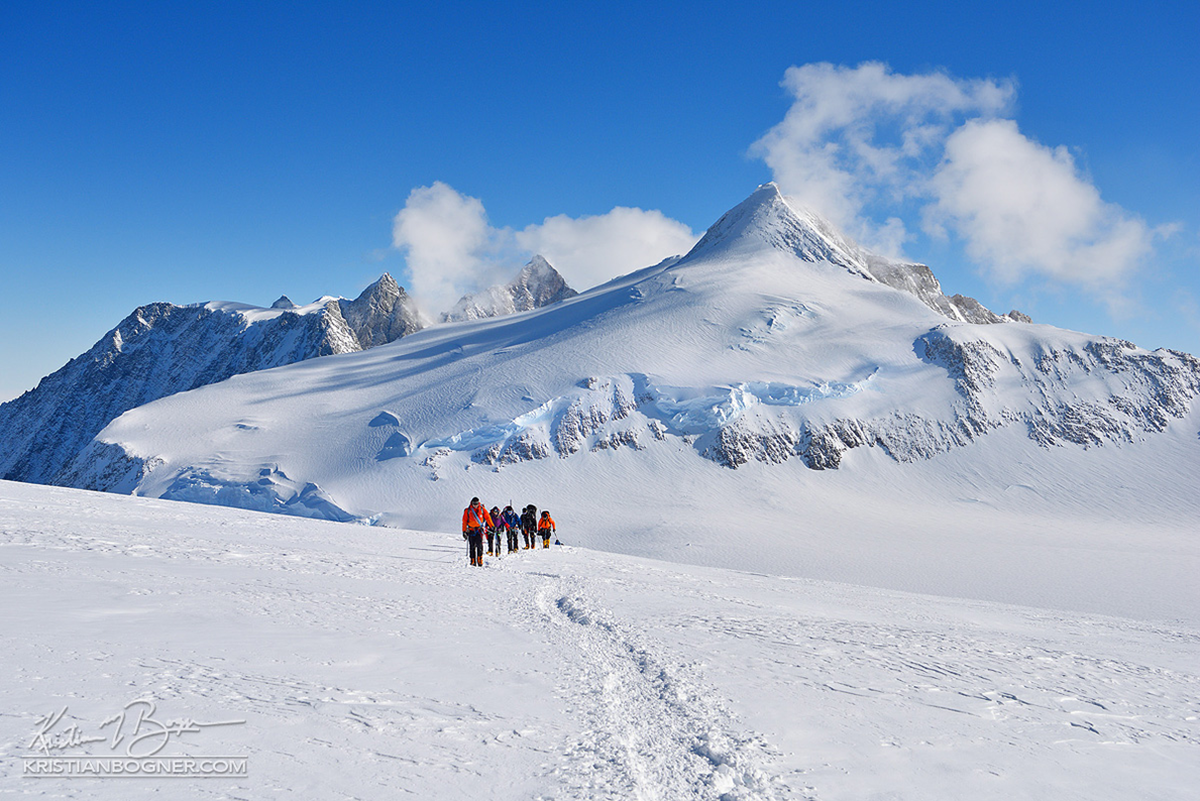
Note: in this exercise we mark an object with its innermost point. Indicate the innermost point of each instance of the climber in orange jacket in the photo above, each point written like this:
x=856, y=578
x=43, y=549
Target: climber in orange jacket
x=546, y=528
x=476, y=520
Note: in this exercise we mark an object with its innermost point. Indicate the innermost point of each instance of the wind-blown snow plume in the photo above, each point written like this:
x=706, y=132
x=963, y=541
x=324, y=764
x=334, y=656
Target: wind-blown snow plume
x=934, y=151
x=452, y=250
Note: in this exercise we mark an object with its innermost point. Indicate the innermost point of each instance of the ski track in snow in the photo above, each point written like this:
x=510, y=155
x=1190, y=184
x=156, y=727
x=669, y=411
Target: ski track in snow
x=1026, y=682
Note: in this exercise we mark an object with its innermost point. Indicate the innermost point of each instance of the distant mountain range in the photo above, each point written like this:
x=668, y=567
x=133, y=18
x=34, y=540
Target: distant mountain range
x=162, y=348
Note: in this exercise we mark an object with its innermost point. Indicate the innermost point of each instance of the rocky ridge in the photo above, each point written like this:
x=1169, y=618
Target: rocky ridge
x=162, y=348
x=1138, y=393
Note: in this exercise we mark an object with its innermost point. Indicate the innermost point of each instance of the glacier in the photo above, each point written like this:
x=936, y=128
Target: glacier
x=369, y=662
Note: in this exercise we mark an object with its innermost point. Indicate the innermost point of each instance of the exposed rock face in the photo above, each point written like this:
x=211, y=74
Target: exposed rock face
x=381, y=314
x=918, y=280
x=537, y=285
x=1134, y=393
x=161, y=349
x=1138, y=392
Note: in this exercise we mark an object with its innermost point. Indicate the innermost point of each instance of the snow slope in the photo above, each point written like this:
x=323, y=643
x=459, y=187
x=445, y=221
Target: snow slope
x=372, y=663
x=764, y=403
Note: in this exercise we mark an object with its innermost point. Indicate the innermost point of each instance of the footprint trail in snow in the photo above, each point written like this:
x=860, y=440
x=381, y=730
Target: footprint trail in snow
x=652, y=731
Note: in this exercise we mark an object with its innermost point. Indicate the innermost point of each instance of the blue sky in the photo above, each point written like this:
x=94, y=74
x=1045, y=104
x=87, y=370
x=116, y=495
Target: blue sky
x=191, y=152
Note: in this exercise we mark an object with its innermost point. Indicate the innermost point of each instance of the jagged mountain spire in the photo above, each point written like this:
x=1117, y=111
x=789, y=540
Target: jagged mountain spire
x=382, y=313
x=538, y=284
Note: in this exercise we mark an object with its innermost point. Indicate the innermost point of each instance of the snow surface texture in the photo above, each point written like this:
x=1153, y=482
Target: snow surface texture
x=374, y=663
x=537, y=285
x=161, y=349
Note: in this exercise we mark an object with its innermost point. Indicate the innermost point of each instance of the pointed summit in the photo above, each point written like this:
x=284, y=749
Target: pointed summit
x=537, y=269
x=382, y=313
x=766, y=220
x=284, y=302
x=384, y=287
x=537, y=285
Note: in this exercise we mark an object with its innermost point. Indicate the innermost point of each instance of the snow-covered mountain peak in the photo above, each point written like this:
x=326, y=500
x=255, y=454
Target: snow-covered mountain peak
x=384, y=287
x=767, y=220
x=538, y=284
x=537, y=268
x=543, y=283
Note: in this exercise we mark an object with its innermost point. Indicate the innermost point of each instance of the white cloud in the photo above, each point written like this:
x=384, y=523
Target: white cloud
x=593, y=249
x=864, y=144
x=452, y=250
x=864, y=135
x=446, y=239
x=1022, y=208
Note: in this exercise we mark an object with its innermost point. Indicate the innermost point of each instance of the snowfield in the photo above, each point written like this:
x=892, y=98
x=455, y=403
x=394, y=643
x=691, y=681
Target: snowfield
x=371, y=663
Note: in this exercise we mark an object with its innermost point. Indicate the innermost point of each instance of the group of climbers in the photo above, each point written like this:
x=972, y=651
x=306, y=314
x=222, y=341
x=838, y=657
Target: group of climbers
x=501, y=528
